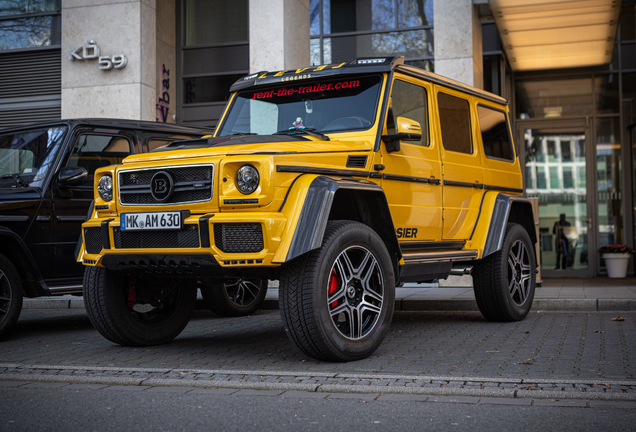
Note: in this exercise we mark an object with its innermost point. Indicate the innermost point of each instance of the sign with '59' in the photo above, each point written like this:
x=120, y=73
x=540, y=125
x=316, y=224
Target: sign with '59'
x=91, y=51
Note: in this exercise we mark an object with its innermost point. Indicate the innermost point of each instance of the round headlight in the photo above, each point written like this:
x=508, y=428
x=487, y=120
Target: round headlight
x=105, y=188
x=247, y=179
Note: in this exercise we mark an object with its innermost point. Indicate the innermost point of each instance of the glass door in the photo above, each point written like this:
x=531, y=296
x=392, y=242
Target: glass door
x=556, y=156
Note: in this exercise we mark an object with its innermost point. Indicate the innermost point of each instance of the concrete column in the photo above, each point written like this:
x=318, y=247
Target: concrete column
x=458, y=44
x=279, y=34
x=117, y=29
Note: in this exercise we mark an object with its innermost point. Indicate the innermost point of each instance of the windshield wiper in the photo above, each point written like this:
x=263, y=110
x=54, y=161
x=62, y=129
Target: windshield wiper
x=310, y=131
x=244, y=133
x=15, y=177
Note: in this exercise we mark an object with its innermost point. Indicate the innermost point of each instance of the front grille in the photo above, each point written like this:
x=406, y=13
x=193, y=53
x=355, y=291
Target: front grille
x=238, y=237
x=191, y=184
x=188, y=237
x=93, y=240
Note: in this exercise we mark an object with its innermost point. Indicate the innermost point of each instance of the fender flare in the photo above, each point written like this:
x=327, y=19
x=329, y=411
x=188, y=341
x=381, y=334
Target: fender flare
x=317, y=207
x=508, y=208
x=32, y=282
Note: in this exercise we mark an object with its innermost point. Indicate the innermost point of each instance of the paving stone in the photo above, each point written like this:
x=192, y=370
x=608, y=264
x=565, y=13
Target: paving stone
x=170, y=389
x=454, y=399
x=357, y=396
x=304, y=394
x=559, y=402
x=247, y=392
x=131, y=388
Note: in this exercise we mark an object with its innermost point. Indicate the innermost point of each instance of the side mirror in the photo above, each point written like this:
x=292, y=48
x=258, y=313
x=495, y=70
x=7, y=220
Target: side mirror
x=72, y=176
x=407, y=130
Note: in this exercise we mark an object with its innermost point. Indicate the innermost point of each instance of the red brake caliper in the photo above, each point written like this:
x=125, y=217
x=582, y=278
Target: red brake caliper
x=132, y=294
x=333, y=286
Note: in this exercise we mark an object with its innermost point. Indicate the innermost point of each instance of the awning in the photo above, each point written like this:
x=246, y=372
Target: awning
x=554, y=34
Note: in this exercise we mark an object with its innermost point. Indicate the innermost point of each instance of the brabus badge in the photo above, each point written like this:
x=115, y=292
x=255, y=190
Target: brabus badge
x=162, y=186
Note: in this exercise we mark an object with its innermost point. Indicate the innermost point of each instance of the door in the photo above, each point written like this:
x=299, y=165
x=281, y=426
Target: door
x=461, y=161
x=558, y=161
x=411, y=177
x=91, y=150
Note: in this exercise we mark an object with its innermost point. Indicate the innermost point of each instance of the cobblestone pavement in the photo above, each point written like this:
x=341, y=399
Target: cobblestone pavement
x=547, y=355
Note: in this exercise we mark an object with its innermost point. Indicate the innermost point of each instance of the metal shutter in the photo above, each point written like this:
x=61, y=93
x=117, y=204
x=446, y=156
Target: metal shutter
x=30, y=87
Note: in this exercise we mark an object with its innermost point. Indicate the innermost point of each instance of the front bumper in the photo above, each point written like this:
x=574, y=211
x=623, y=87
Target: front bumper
x=208, y=244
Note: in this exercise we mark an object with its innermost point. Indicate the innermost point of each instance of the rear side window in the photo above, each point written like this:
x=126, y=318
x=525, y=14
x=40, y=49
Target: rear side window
x=454, y=120
x=495, y=134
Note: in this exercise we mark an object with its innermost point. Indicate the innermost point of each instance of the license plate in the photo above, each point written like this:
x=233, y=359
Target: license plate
x=151, y=221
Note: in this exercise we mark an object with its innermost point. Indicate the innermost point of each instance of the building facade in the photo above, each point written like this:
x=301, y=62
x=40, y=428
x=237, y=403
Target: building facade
x=174, y=61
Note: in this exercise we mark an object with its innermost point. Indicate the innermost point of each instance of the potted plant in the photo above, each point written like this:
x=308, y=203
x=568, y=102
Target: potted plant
x=616, y=258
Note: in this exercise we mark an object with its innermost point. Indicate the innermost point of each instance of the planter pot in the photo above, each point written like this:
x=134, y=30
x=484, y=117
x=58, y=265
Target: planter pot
x=616, y=264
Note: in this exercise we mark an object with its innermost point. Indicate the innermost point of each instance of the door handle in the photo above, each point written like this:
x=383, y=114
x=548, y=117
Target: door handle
x=589, y=223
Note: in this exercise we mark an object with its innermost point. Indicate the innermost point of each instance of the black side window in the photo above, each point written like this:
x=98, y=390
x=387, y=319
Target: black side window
x=410, y=101
x=154, y=142
x=454, y=120
x=494, y=133
x=96, y=151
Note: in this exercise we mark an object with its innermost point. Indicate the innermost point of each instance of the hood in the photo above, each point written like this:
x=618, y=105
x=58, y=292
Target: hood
x=249, y=144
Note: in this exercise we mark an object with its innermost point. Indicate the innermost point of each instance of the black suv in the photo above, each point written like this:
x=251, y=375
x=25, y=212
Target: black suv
x=46, y=189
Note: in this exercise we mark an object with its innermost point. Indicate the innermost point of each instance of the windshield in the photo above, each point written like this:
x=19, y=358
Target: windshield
x=331, y=105
x=26, y=157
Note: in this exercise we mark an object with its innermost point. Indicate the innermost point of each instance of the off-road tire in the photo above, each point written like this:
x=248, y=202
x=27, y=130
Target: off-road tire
x=499, y=298
x=10, y=295
x=106, y=302
x=234, y=297
x=303, y=292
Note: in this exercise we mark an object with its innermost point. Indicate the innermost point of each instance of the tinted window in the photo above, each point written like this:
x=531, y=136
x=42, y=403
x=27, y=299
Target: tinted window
x=156, y=142
x=96, y=151
x=494, y=133
x=27, y=156
x=333, y=105
x=410, y=101
x=454, y=120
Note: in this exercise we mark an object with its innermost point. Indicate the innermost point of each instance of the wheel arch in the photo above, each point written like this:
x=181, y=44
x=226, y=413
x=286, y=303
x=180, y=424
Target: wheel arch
x=508, y=209
x=343, y=199
x=13, y=247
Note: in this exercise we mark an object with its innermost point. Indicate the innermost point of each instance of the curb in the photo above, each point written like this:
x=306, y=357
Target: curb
x=434, y=305
x=335, y=389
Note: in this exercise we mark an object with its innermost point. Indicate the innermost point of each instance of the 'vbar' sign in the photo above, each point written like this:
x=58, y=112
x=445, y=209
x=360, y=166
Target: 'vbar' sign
x=91, y=51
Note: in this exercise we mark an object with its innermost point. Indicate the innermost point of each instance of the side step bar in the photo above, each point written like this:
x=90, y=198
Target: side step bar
x=429, y=266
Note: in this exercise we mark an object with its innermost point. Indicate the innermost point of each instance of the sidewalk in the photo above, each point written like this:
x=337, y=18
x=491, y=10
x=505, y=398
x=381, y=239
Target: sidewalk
x=456, y=294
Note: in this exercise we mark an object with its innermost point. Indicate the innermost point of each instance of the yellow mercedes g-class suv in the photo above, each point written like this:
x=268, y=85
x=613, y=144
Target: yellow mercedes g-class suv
x=341, y=181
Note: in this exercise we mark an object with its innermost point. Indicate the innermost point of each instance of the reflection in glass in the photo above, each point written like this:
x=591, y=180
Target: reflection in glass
x=555, y=173
x=208, y=89
x=607, y=94
x=554, y=98
x=414, y=43
x=40, y=31
x=340, y=16
x=628, y=56
x=427, y=65
x=314, y=52
x=26, y=157
x=415, y=13
x=22, y=7
x=209, y=22
x=314, y=18
x=608, y=172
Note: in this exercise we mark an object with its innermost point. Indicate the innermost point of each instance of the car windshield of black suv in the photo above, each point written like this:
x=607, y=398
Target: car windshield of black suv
x=346, y=103
x=26, y=156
